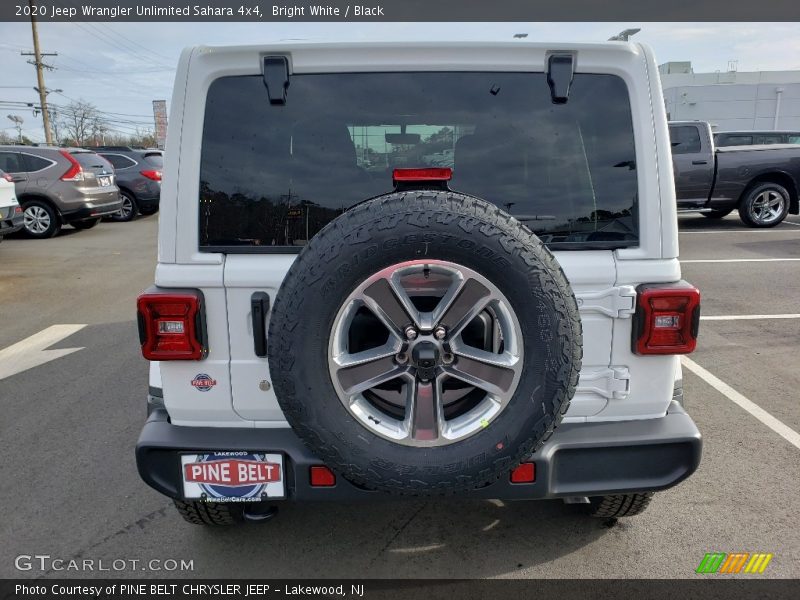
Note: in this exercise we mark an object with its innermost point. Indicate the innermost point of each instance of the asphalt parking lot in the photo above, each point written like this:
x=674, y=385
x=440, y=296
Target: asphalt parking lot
x=69, y=427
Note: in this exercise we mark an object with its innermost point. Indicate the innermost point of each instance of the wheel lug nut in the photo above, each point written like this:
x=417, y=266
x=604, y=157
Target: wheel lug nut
x=401, y=358
x=447, y=358
x=439, y=333
x=411, y=333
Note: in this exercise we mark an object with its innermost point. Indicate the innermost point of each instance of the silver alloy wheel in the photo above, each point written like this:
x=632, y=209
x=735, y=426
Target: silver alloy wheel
x=36, y=219
x=433, y=370
x=127, y=208
x=767, y=207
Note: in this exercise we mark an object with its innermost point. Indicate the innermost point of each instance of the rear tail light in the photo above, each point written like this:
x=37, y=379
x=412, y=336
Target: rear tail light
x=667, y=319
x=17, y=210
x=8, y=178
x=321, y=476
x=525, y=473
x=172, y=325
x=429, y=174
x=75, y=171
x=151, y=174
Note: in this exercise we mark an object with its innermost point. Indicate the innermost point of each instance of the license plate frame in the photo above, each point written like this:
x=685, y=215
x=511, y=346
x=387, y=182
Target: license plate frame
x=104, y=180
x=233, y=476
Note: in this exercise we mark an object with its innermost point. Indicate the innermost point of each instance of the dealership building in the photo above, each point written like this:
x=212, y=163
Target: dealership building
x=732, y=100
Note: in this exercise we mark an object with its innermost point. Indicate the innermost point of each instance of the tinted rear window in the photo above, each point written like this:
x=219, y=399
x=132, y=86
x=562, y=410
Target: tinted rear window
x=685, y=139
x=91, y=160
x=274, y=176
x=154, y=160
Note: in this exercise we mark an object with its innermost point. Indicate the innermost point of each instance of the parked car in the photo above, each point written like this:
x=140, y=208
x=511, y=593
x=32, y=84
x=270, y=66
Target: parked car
x=57, y=186
x=10, y=211
x=138, y=174
x=310, y=344
x=749, y=138
x=761, y=182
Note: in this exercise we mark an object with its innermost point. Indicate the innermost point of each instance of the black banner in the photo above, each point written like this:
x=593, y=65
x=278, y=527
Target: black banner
x=705, y=588
x=257, y=11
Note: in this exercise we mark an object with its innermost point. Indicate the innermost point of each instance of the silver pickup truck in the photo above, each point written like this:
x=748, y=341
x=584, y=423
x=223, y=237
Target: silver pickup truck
x=761, y=182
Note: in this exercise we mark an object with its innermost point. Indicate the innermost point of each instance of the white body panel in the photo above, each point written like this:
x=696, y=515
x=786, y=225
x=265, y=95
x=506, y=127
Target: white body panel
x=615, y=384
x=8, y=196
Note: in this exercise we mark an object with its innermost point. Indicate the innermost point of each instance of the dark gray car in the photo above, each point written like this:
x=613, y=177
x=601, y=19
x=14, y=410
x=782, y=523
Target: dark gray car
x=57, y=186
x=138, y=174
x=761, y=182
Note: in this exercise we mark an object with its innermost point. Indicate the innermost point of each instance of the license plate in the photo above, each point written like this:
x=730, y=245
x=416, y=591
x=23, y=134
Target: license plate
x=104, y=181
x=232, y=476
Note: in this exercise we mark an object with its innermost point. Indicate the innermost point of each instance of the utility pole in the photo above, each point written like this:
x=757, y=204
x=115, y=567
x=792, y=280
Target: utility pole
x=40, y=67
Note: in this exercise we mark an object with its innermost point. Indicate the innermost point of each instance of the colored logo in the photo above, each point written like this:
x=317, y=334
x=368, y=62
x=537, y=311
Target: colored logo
x=736, y=562
x=203, y=382
x=221, y=476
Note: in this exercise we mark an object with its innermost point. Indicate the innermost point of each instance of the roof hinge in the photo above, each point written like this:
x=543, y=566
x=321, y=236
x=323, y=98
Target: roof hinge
x=560, y=71
x=276, y=79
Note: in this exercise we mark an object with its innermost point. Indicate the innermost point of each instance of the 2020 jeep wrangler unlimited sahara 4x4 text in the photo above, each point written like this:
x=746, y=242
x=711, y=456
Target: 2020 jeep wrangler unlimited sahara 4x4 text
x=416, y=270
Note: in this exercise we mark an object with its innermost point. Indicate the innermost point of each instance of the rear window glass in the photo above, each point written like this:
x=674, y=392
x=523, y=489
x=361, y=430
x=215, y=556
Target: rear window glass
x=735, y=140
x=119, y=161
x=90, y=160
x=685, y=140
x=154, y=160
x=11, y=162
x=272, y=177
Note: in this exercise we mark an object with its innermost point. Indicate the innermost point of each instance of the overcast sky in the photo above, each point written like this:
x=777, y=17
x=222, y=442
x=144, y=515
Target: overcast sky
x=122, y=67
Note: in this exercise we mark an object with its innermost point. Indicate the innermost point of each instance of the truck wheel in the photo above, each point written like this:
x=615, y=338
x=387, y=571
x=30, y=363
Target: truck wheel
x=424, y=343
x=717, y=213
x=210, y=513
x=40, y=220
x=764, y=205
x=626, y=505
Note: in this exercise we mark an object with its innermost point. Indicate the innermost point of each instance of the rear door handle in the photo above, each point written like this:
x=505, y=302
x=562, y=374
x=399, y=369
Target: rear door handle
x=259, y=307
x=699, y=162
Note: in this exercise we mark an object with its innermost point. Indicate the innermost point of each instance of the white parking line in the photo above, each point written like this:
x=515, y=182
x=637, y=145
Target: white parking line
x=31, y=351
x=748, y=317
x=739, y=260
x=786, y=432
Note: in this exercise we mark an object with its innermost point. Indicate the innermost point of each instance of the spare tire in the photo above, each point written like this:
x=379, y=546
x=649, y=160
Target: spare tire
x=424, y=342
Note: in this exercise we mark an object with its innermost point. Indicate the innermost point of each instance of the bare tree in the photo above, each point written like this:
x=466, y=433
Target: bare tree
x=81, y=123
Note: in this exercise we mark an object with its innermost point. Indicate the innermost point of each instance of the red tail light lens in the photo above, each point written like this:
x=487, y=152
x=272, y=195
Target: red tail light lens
x=321, y=476
x=172, y=325
x=75, y=171
x=151, y=174
x=525, y=473
x=8, y=178
x=431, y=174
x=667, y=319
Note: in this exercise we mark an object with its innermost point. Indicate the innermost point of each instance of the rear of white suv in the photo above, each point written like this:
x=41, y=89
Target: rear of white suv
x=339, y=314
x=10, y=210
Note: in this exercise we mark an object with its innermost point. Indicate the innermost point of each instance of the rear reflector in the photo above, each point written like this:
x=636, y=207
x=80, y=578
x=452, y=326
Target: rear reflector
x=525, y=473
x=431, y=174
x=8, y=178
x=151, y=174
x=322, y=476
x=171, y=325
x=667, y=319
x=75, y=171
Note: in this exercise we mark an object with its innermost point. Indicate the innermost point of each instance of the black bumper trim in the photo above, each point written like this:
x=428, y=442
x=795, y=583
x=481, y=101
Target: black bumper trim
x=580, y=459
x=91, y=212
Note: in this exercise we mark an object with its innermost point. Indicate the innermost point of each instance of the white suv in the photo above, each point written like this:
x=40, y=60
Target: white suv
x=339, y=314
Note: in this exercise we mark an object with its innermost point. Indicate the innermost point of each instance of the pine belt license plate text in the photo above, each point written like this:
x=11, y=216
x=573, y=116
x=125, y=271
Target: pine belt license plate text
x=104, y=181
x=232, y=476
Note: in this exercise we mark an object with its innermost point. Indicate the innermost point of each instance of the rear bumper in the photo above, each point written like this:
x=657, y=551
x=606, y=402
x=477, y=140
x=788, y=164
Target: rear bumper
x=11, y=225
x=580, y=459
x=93, y=210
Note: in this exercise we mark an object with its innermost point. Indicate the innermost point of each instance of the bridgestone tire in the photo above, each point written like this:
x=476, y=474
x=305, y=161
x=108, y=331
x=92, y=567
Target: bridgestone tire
x=210, y=513
x=388, y=230
x=626, y=505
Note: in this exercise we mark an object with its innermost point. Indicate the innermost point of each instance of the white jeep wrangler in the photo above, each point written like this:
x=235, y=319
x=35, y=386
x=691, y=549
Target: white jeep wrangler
x=416, y=269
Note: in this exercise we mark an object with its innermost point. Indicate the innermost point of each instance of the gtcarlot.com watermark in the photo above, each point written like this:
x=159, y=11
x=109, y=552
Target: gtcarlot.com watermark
x=47, y=563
